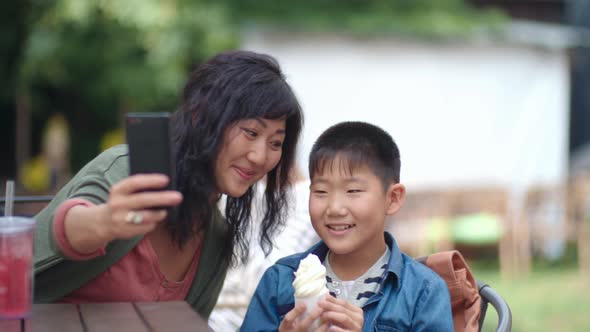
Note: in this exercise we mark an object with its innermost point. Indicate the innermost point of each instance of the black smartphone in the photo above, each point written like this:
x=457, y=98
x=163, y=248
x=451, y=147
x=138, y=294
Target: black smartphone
x=150, y=144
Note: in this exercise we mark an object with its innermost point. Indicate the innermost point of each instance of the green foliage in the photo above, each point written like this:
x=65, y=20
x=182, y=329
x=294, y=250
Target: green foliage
x=549, y=299
x=95, y=60
x=414, y=18
x=555, y=296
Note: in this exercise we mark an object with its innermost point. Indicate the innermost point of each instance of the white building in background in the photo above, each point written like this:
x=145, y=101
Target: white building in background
x=462, y=113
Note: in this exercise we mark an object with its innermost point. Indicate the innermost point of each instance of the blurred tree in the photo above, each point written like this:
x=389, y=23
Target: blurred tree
x=95, y=60
x=414, y=18
x=16, y=18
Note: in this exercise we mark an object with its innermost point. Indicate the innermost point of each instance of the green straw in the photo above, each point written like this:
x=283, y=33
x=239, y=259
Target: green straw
x=9, y=198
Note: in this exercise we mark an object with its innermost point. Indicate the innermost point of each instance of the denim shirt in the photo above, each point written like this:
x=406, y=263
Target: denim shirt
x=411, y=296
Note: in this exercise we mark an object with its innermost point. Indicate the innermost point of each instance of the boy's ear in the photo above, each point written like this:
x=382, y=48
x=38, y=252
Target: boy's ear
x=396, y=193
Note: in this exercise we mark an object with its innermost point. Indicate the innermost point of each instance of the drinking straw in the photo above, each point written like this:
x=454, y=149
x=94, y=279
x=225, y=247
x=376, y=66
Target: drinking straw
x=9, y=198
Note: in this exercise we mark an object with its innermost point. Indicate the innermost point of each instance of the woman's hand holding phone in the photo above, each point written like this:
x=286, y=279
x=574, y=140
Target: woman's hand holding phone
x=129, y=212
x=137, y=204
x=141, y=196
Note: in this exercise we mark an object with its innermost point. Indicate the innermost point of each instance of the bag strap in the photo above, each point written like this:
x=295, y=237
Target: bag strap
x=465, y=298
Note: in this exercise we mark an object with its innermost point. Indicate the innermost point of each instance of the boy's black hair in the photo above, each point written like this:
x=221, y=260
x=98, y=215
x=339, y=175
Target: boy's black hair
x=357, y=144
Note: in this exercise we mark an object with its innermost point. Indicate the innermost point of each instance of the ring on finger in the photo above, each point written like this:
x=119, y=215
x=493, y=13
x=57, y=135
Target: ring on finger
x=133, y=217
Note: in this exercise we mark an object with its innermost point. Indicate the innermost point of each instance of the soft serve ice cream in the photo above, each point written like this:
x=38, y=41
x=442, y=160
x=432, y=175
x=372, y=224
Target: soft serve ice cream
x=310, y=278
x=310, y=282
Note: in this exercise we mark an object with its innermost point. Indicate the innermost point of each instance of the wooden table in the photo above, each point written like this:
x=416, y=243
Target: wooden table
x=109, y=317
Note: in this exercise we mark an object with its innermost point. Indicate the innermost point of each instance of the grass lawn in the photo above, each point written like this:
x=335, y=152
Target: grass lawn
x=552, y=298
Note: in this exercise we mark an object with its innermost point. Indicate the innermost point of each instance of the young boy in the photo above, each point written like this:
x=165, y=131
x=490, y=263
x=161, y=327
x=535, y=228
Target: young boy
x=355, y=185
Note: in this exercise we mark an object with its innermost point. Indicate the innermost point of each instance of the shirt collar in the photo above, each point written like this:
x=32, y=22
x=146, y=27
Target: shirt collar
x=396, y=261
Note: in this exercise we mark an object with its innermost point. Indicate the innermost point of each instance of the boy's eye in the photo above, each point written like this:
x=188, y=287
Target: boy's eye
x=354, y=191
x=319, y=192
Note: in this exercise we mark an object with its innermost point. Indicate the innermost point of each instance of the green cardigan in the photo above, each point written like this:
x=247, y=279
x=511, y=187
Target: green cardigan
x=56, y=276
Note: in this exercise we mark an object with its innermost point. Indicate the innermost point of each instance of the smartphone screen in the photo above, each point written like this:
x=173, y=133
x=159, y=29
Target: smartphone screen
x=150, y=144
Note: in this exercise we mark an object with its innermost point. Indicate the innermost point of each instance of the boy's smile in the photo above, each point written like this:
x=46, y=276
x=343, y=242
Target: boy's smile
x=336, y=228
x=348, y=211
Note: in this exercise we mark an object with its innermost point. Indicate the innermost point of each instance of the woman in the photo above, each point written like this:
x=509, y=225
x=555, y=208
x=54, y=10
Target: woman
x=102, y=240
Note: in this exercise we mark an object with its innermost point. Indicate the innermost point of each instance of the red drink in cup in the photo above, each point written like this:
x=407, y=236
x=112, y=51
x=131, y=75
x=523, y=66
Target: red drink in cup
x=16, y=268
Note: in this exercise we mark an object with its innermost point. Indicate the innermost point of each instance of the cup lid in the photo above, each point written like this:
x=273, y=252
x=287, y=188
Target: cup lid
x=10, y=225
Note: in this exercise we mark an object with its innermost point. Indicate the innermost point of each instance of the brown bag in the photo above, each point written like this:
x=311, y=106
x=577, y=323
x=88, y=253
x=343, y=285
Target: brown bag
x=465, y=299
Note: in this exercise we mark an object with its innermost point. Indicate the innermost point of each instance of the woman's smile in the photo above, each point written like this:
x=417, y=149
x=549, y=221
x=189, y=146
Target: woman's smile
x=245, y=173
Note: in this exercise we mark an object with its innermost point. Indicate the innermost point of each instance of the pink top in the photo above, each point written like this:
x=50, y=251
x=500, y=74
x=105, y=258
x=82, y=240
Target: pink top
x=136, y=277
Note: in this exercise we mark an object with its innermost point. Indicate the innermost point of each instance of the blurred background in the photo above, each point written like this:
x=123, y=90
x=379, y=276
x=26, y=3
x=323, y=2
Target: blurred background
x=488, y=100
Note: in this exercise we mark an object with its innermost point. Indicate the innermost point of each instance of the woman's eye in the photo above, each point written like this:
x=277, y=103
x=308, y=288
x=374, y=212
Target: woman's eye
x=319, y=192
x=277, y=145
x=354, y=191
x=250, y=132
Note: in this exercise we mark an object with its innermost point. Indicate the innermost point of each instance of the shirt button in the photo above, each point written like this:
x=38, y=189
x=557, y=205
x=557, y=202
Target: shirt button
x=335, y=283
x=337, y=291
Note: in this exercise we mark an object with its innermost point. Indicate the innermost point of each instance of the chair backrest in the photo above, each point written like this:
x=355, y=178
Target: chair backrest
x=489, y=295
x=35, y=204
x=469, y=298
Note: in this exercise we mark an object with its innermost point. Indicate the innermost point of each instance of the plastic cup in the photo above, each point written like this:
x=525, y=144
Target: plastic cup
x=16, y=268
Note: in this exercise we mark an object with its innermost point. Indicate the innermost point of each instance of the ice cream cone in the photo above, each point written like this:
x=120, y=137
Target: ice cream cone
x=311, y=303
x=310, y=285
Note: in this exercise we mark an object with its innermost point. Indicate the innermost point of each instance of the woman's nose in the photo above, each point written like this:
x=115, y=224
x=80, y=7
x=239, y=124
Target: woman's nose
x=257, y=153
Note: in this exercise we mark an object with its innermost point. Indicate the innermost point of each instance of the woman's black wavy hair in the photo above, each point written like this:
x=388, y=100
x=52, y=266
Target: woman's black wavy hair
x=227, y=88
